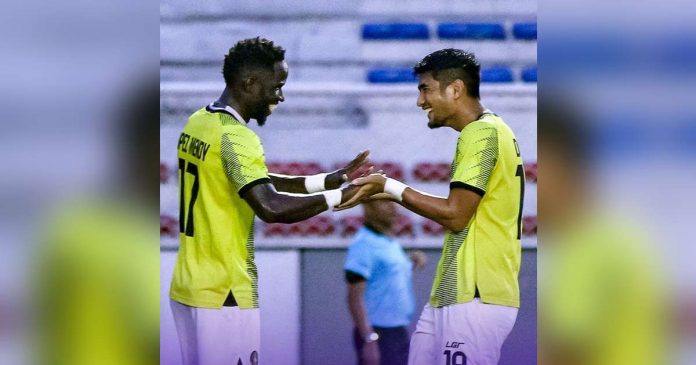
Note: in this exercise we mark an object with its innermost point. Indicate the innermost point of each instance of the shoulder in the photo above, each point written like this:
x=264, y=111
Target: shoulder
x=240, y=134
x=479, y=131
x=364, y=238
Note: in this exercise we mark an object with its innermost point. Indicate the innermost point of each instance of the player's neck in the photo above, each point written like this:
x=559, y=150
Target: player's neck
x=227, y=99
x=382, y=229
x=469, y=112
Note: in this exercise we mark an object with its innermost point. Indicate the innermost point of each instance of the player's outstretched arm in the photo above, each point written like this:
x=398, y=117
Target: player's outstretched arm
x=319, y=182
x=276, y=207
x=452, y=212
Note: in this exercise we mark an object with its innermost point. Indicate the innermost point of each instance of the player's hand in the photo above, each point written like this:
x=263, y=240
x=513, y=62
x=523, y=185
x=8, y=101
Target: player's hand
x=419, y=259
x=366, y=187
x=369, y=353
x=381, y=196
x=344, y=174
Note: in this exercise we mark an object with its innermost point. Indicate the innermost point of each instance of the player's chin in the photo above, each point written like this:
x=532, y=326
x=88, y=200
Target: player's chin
x=433, y=125
x=261, y=119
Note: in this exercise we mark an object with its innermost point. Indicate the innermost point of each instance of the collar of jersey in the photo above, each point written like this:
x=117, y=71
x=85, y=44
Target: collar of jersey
x=229, y=110
x=485, y=111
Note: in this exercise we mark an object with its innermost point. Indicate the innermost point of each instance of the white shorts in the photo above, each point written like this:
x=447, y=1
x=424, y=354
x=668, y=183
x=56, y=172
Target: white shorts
x=469, y=333
x=226, y=336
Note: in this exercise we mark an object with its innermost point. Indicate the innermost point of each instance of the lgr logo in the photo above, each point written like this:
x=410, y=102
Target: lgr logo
x=453, y=344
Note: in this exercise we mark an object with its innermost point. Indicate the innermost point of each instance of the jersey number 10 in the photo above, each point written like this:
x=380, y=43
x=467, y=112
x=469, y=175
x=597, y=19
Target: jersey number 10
x=192, y=169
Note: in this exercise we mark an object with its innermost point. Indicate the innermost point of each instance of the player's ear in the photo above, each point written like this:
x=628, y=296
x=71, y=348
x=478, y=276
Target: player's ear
x=249, y=84
x=458, y=88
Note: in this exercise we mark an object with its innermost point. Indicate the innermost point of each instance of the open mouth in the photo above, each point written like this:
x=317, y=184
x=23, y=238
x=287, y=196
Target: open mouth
x=428, y=111
x=271, y=107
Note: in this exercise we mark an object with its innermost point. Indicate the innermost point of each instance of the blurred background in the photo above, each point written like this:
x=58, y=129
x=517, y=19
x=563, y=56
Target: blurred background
x=71, y=196
x=616, y=141
x=350, y=88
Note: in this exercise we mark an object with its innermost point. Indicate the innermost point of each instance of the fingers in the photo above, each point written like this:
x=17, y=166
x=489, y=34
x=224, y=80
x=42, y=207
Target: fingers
x=372, y=178
x=380, y=196
x=360, y=159
x=368, y=172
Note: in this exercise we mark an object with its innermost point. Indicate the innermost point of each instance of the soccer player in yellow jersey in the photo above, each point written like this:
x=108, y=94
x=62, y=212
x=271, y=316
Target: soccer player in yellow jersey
x=224, y=183
x=475, y=296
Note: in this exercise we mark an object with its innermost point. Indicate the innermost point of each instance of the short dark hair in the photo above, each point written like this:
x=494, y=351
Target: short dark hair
x=561, y=124
x=247, y=53
x=447, y=65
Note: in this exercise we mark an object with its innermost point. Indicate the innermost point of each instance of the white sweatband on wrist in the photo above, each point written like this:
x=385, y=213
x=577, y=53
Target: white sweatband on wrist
x=333, y=197
x=394, y=188
x=315, y=183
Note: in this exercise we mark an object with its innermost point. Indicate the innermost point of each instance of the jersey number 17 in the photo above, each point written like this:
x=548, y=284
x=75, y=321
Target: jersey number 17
x=192, y=169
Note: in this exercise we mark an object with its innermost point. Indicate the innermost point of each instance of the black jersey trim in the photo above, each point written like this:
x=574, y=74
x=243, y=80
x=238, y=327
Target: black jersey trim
x=461, y=185
x=210, y=109
x=250, y=185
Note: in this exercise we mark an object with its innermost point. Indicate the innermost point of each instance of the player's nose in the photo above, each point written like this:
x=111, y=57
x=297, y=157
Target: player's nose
x=420, y=101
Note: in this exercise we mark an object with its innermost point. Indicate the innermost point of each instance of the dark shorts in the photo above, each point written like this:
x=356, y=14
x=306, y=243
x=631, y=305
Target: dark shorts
x=393, y=345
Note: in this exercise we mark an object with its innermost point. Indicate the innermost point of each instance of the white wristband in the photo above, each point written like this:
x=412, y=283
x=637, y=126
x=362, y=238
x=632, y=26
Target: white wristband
x=394, y=188
x=333, y=197
x=315, y=183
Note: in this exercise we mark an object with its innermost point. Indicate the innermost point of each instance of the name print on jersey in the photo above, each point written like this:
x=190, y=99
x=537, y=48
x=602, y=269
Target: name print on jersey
x=193, y=146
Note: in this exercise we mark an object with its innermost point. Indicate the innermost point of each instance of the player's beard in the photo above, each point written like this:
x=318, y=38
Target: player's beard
x=434, y=124
x=261, y=113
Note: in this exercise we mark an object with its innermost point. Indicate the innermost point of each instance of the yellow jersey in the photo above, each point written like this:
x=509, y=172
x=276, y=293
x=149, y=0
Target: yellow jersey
x=603, y=297
x=485, y=256
x=220, y=158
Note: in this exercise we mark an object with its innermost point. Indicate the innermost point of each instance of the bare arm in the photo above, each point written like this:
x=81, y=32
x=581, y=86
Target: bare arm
x=453, y=212
x=274, y=207
x=356, y=306
x=332, y=180
x=296, y=184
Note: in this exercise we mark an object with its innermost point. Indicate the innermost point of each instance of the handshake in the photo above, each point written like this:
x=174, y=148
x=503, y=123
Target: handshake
x=371, y=186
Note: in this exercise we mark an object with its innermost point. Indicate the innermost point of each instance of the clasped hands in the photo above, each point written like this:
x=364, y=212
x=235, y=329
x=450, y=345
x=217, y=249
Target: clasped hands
x=365, y=188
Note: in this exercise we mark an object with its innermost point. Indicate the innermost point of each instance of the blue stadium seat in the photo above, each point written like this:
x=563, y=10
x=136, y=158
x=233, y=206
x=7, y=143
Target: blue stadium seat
x=529, y=74
x=470, y=31
x=395, y=31
x=525, y=31
x=496, y=74
x=390, y=75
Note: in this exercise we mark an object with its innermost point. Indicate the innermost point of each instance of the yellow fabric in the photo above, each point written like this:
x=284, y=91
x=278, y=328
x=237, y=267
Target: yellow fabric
x=600, y=296
x=487, y=253
x=97, y=285
x=217, y=237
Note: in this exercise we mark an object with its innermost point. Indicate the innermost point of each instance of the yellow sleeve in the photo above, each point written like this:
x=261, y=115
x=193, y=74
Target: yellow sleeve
x=477, y=153
x=243, y=159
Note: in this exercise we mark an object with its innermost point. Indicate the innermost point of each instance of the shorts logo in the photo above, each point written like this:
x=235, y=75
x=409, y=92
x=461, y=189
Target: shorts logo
x=454, y=345
x=254, y=358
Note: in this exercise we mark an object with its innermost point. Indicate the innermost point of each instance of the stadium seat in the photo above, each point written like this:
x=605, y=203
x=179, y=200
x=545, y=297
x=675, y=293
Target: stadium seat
x=471, y=31
x=432, y=171
x=529, y=225
x=432, y=228
x=164, y=173
x=530, y=171
x=403, y=226
x=496, y=75
x=527, y=31
x=169, y=226
x=295, y=168
x=315, y=226
x=275, y=229
x=529, y=74
x=393, y=31
x=390, y=75
x=349, y=225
